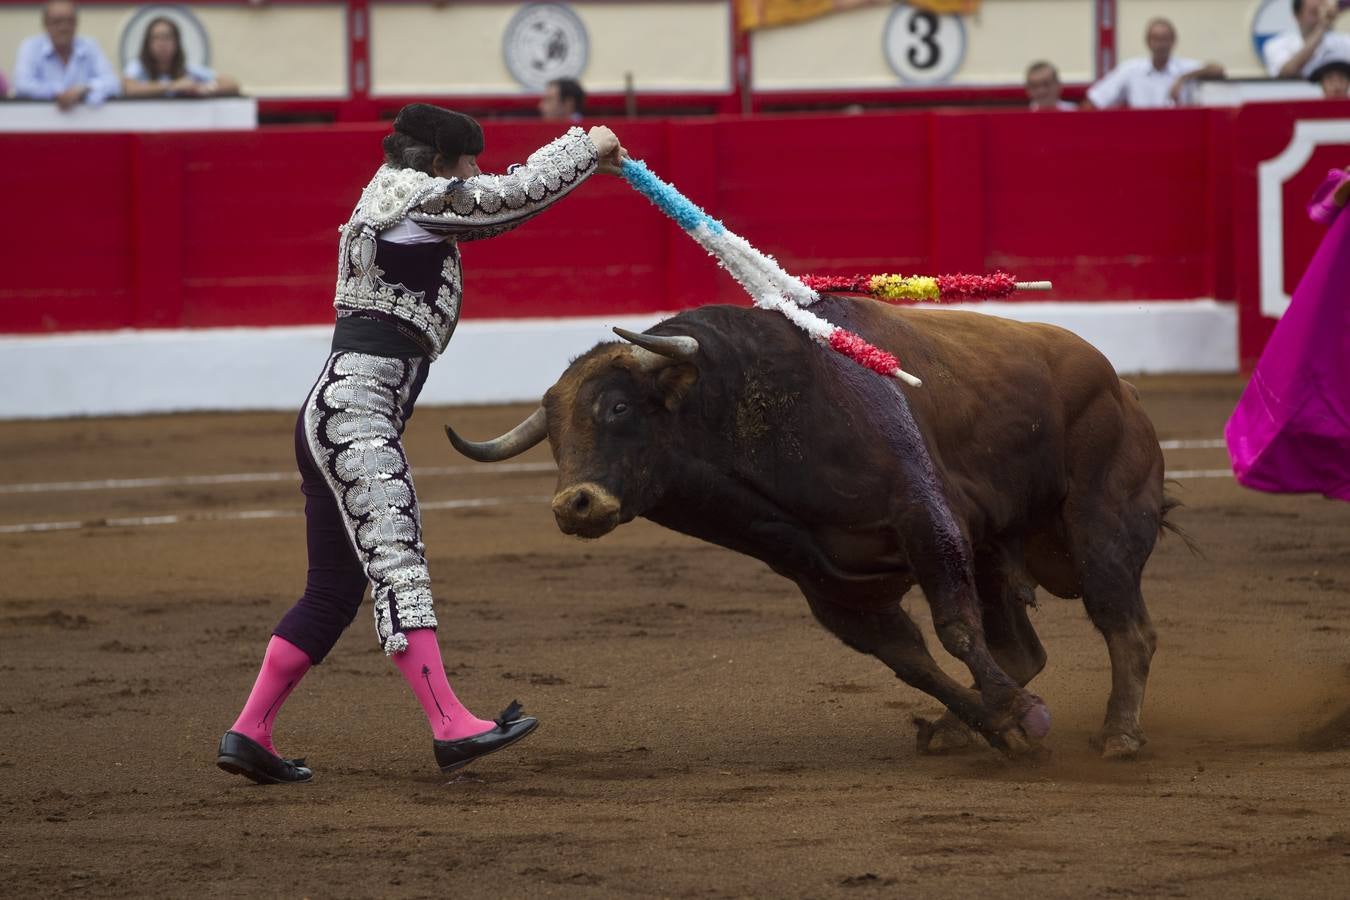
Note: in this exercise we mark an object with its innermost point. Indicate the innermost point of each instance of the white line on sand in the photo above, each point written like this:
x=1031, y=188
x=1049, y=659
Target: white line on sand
x=42, y=487
x=1198, y=473
x=436, y=471
x=182, y=518
x=1207, y=443
x=473, y=503
x=103, y=484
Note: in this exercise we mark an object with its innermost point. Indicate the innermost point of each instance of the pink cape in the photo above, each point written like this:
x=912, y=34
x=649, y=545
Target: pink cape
x=1290, y=432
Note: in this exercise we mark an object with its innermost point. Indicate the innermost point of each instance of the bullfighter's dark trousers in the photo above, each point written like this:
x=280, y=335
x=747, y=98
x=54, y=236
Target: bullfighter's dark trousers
x=362, y=524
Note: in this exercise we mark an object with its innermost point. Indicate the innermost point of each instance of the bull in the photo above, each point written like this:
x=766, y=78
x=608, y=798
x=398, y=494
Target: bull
x=1023, y=461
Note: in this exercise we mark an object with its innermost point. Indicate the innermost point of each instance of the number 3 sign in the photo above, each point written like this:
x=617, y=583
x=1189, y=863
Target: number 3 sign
x=923, y=47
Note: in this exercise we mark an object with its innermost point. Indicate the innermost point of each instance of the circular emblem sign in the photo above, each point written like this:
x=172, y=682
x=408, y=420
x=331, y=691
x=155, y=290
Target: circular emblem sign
x=923, y=47
x=544, y=41
x=196, y=46
x=1272, y=17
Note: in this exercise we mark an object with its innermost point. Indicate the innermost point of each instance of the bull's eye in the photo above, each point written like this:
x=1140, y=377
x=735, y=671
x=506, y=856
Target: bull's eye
x=619, y=408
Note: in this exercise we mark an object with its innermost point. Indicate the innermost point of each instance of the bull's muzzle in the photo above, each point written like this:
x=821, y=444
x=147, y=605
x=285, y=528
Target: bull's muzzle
x=587, y=510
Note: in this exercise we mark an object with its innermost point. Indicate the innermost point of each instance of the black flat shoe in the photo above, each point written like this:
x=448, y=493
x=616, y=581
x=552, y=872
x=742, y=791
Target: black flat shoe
x=241, y=755
x=511, y=727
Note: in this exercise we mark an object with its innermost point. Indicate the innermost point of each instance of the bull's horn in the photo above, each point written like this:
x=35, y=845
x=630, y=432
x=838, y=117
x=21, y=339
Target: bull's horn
x=656, y=350
x=515, y=442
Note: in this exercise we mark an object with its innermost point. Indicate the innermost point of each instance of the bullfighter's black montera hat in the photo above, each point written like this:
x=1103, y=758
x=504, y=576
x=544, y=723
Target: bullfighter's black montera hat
x=453, y=134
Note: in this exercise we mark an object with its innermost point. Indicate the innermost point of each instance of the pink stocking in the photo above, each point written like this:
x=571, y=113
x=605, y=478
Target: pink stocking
x=425, y=673
x=283, y=666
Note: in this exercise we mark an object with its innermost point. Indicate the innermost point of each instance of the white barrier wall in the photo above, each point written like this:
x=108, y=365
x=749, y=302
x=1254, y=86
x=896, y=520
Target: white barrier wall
x=500, y=361
x=203, y=114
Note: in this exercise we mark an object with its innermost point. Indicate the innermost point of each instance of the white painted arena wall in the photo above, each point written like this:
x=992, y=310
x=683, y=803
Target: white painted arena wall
x=122, y=372
x=300, y=50
x=844, y=50
x=684, y=47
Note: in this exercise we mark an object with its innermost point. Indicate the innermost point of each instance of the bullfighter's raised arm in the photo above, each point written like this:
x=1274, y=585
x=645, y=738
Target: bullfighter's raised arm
x=487, y=205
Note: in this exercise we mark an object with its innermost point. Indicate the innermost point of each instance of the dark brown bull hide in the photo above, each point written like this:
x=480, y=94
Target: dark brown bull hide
x=1022, y=461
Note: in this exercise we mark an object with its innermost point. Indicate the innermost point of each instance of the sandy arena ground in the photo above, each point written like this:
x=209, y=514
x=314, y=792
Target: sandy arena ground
x=701, y=736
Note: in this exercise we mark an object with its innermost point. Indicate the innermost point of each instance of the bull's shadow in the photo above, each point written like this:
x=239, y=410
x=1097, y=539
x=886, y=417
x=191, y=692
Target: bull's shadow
x=1023, y=460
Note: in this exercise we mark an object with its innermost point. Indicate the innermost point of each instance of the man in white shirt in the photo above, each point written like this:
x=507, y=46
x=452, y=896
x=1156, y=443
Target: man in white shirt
x=1151, y=82
x=1043, y=88
x=62, y=67
x=1298, y=53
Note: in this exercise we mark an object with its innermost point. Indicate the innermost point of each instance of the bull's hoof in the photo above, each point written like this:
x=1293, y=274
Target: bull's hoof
x=1036, y=722
x=945, y=736
x=1118, y=746
x=1016, y=744
x=1023, y=740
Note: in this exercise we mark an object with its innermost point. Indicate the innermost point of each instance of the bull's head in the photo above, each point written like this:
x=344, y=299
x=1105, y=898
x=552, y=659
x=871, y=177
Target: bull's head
x=609, y=420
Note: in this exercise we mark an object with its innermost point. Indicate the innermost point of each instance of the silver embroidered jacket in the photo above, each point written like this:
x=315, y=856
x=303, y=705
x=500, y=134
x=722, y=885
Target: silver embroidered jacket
x=427, y=303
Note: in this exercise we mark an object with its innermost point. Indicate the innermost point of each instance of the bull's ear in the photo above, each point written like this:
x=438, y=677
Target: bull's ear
x=674, y=384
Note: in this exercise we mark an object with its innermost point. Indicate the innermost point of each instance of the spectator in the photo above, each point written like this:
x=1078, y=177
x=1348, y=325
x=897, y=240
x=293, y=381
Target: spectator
x=1297, y=53
x=162, y=70
x=1334, y=78
x=1043, y=88
x=1154, y=81
x=60, y=66
x=563, y=100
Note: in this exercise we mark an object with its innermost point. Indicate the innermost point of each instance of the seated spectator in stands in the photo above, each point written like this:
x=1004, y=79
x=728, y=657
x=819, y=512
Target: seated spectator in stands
x=1297, y=53
x=161, y=70
x=563, y=100
x=1334, y=78
x=60, y=66
x=1154, y=81
x=1043, y=88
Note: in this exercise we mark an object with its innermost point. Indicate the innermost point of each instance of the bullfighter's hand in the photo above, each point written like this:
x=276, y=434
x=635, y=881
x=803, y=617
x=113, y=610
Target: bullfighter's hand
x=605, y=141
x=613, y=164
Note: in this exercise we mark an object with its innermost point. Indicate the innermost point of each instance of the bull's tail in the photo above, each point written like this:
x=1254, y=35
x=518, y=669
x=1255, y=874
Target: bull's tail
x=1170, y=503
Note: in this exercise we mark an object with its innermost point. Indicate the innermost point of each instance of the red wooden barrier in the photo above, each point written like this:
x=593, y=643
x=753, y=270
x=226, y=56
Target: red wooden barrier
x=240, y=228
x=1263, y=133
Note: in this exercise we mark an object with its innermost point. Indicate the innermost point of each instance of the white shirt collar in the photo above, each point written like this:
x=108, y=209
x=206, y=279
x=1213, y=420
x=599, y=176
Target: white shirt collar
x=77, y=46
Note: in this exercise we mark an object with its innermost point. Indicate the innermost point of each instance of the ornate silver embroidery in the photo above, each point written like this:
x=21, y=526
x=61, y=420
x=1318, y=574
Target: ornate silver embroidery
x=353, y=420
x=462, y=210
x=462, y=202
